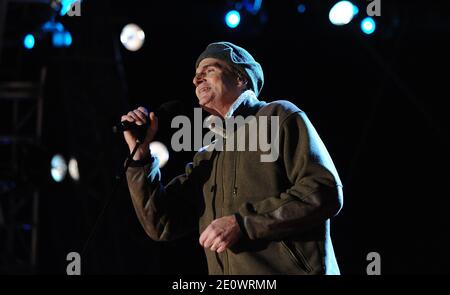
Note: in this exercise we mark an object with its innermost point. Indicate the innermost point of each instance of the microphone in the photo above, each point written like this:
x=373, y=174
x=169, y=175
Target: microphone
x=164, y=111
x=126, y=125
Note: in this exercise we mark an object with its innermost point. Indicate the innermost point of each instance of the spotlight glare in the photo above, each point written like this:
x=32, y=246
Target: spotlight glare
x=52, y=26
x=342, y=13
x=58, y=168
x=62, y=39
x=132, y=37
x=232, y=19
x=252, y=6
x=28, y=41
x=159, y=150
x=368, y=25
x=301, y=8
x=73, y=169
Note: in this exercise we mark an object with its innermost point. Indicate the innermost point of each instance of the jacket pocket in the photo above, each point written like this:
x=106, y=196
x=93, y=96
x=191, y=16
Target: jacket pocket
x=297, y=256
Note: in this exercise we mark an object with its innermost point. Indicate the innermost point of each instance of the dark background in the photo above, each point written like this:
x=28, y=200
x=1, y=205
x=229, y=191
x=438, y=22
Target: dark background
x=377, y=101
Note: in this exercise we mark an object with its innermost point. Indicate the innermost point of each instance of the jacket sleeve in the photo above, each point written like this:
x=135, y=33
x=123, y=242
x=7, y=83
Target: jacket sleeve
x=165, y=213
x=314, y=193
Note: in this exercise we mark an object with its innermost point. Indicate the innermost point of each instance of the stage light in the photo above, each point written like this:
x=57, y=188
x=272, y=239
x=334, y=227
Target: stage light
x=29, y=41
x=232, y=19
x=368, y=25
x=73, y=169
x=252, y=6
x=62, y=39
x=51, y=26
x=132, y=37
x=159, y=150
x=58, y=168
x=301, y=8
x=342, y=13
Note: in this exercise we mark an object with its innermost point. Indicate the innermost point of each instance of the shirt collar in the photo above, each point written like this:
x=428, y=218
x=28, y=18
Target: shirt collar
x=247, y=95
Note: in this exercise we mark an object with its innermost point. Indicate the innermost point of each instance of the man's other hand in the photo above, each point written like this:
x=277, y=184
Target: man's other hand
x=221, y=234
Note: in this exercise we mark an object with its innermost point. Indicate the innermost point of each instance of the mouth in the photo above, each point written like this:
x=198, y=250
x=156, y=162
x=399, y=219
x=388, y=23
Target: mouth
x=204, y=89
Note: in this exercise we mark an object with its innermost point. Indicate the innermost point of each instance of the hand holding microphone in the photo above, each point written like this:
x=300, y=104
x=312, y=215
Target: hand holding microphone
x=131, y=126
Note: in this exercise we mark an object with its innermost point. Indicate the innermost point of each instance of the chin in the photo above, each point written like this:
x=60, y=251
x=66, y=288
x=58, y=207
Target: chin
x=207, y=106
x=204, y=101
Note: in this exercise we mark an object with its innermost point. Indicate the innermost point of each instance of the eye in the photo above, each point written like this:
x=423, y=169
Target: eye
x=199, y=75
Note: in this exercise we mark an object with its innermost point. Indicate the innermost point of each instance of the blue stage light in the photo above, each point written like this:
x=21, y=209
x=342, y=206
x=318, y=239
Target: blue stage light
x=58, y=168
x=29, y=41
x=368, y=25
x=232, y=19
x=62, y=39
x=342, y=13
x=301, y=8
x=252, y=6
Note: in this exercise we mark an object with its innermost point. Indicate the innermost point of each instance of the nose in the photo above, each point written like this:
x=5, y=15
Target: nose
x=198, y=78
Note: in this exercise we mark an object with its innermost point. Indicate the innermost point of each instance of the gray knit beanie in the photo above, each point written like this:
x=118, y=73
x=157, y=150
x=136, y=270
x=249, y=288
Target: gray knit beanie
x=237, y=57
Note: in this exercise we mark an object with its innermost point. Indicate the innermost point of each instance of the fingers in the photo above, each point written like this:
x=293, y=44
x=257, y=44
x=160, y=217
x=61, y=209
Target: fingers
x=221, y=234
x=142, y=116
x=203, y=237
x=213, y=240
x=126, y=118
x=138, y=115
x=143, y=110
x=219, y=246
x=216, y=244
x=210, y=241
x=222, y=247
x=130, y=117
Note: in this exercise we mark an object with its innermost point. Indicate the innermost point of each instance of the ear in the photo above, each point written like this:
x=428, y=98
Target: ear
x=242, y=82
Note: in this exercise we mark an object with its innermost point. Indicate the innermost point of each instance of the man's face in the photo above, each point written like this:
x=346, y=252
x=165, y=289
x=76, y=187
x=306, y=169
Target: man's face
x=215, y=85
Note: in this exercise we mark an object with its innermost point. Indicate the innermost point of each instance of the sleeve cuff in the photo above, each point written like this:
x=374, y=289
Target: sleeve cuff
x=142, y=162
x=240, y=222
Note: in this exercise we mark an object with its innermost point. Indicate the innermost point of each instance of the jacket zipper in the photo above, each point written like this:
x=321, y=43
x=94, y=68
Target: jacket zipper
x=236, y=154
x=214, y=186
x=225, y=253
